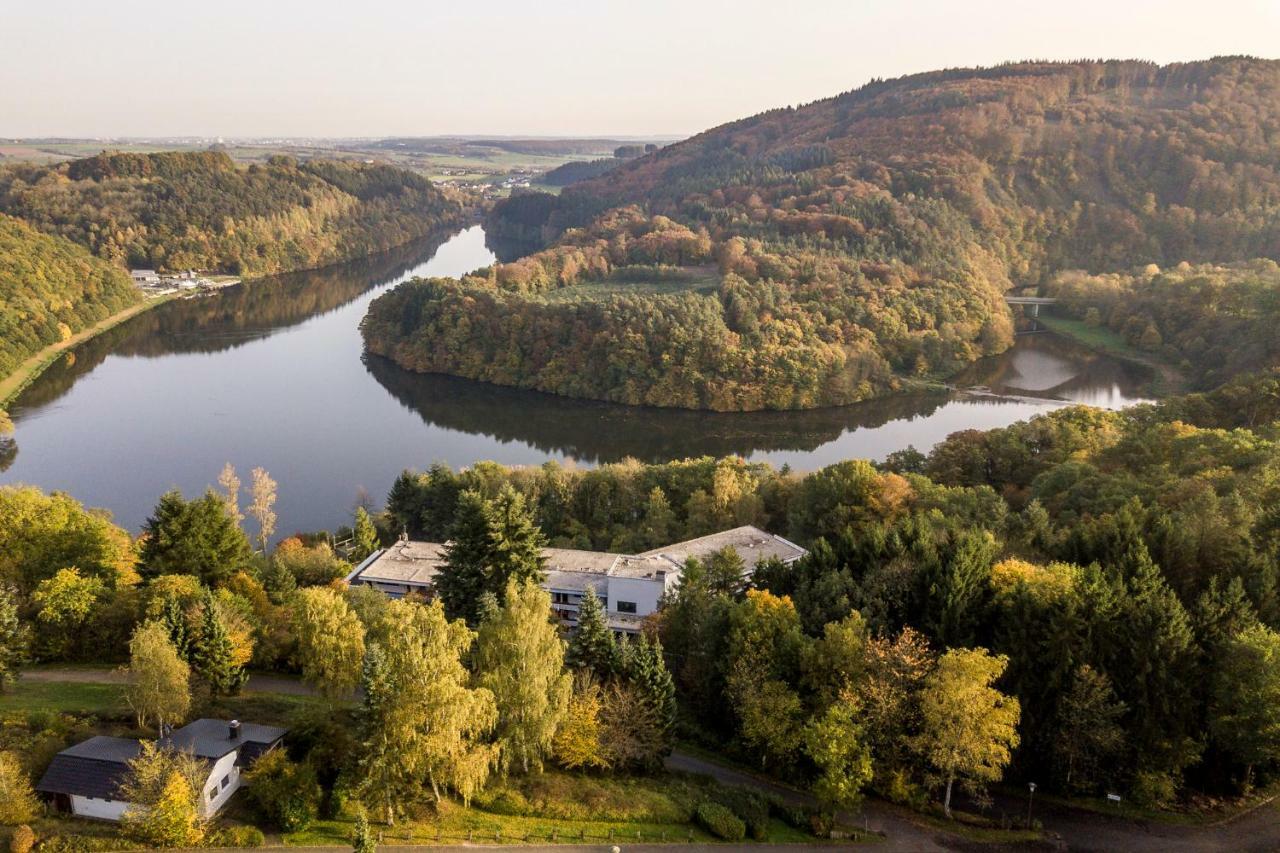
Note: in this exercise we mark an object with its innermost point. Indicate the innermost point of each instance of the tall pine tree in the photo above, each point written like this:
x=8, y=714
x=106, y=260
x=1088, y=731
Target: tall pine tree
x=592, y=646
x=493, y=543
x=214, y=657
x=174, y=619
x=517, y=543
x=646, y=670
x=463, y=578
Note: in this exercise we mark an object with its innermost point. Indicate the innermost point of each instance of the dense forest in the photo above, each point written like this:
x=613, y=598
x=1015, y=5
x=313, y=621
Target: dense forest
x=578, y=170
x=868, y=238
x=50, y=288
x=179, y=210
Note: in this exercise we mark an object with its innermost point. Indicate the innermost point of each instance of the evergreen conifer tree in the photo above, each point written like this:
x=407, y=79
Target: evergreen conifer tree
x=592, y=646
x=493, y=543
x=462, y=581
x=517, y=543
x=646, y=670
x=214, y=656
x=174, y=619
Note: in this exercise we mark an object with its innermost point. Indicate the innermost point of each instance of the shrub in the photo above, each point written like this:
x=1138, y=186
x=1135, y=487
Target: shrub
x=1153, y=790
x=896, y=787
x=362, y=837
x=751, y=807
x=796, y=817
x=23, y=840
x=508, y=802
x=821, y=823
x=720, y=822
x=238, y=836
x=286, y=794
x=74, y=843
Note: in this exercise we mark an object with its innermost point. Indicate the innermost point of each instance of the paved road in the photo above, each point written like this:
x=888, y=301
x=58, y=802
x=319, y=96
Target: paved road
x=585, y=848
x=1088, y=832
x=900, y=835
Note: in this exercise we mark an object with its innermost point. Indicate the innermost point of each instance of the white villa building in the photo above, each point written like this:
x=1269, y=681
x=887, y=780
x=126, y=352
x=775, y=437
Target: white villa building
x=84, y=780
x=630, y=586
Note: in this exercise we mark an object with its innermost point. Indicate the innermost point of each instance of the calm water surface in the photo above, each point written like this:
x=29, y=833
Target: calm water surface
x=272, y=374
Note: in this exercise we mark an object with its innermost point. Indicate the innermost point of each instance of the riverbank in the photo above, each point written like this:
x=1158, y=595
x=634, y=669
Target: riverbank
x=1168, y=381
x=27, y=372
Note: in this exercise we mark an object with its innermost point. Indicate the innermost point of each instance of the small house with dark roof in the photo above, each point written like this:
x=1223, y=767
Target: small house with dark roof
x=85, y=779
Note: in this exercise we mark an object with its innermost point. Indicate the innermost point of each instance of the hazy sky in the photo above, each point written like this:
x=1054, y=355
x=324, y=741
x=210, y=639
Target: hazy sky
x=547, y=67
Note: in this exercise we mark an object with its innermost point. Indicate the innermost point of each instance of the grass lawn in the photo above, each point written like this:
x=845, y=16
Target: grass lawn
x=1095, y=337
x=107, y=701
x=67, y=697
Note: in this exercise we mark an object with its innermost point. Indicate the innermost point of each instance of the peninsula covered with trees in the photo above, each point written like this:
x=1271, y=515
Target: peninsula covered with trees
x=858, y=243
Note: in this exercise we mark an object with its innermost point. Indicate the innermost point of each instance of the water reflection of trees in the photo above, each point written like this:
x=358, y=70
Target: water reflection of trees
x=234, y=316
x=507, y=249
x=605, y=432
x=1089, y=371
x=8, y=452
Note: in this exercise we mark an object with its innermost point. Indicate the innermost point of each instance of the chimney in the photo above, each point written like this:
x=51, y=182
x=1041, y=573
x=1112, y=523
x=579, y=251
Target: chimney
x=234, y=729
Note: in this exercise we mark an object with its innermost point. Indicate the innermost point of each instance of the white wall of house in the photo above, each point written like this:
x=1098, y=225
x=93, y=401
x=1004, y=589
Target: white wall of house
x=97, y=808
x=643, y=592
x=225, y=768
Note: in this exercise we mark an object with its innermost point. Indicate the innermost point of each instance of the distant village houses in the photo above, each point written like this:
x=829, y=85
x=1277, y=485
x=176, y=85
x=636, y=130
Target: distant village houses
x=630, y=586
x=155, y=284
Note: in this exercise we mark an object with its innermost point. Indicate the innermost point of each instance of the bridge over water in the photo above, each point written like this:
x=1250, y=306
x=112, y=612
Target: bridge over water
x=1034, y=302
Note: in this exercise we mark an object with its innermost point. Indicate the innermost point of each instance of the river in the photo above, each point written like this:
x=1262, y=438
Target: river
x=272, y=374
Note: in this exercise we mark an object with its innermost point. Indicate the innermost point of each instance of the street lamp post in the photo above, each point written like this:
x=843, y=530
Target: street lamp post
x=1031, y=795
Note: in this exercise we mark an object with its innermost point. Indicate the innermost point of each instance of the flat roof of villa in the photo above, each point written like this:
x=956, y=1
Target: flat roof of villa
x=652, y=566
x=751, y=543
x=576, y=581
x=417, y=563
x=571, y=560
x=405, y=562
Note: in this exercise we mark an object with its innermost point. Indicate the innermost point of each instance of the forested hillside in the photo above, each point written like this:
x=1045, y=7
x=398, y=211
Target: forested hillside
x=180, y=210
x=1214, y=321
x=50, y=288
x=869, y=237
